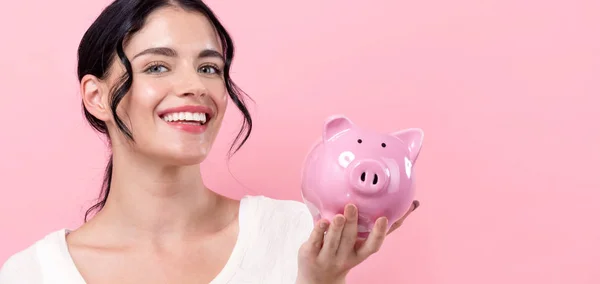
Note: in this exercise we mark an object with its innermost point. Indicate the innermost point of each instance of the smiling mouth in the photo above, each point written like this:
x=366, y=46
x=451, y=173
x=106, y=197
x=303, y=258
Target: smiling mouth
x=194, y=118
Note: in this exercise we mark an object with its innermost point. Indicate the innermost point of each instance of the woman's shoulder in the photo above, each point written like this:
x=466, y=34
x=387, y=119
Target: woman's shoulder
x=25, y=265
x=21, y=267
x=284, y=205
x=280, y=214
x=280, y=207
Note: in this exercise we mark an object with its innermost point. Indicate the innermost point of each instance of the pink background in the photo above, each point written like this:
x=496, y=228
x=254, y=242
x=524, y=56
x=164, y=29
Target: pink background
x=505, y=91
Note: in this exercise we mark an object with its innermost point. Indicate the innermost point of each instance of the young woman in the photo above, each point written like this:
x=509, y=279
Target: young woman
x=154, y=77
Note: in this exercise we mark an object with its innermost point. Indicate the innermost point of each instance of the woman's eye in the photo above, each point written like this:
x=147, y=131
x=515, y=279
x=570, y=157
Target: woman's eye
x=156, y=69
x=209, y=69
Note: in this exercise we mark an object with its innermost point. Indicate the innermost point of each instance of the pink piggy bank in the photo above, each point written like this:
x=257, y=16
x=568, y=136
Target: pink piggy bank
x=374, y=171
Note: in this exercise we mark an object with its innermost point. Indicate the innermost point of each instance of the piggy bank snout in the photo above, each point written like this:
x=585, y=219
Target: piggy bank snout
x=368, y=176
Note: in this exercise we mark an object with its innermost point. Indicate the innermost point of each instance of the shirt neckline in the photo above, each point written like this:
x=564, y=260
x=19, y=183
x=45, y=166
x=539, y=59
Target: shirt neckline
x=226, y=273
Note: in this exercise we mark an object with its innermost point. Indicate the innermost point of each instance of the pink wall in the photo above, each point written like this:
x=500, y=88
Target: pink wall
x=505, y=91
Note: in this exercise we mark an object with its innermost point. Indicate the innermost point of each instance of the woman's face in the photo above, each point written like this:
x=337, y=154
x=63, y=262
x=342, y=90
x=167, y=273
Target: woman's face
x=178, y=98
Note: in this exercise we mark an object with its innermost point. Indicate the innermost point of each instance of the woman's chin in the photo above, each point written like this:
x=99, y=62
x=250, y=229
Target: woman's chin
x=184, y=158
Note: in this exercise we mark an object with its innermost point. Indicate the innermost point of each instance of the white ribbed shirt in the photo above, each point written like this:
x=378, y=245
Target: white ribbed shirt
x=266, y=252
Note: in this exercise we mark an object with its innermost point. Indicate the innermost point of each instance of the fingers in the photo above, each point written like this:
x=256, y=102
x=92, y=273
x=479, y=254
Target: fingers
x=375, y=239
x=349, y=234
x=316, y=237
x=333, y=236
x=341, y=236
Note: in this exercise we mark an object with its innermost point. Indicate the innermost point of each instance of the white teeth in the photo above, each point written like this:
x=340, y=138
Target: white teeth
x=185, y=116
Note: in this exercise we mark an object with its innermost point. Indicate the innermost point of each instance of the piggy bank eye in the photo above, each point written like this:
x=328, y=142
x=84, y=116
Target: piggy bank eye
x=359, y=141
x=383, y=145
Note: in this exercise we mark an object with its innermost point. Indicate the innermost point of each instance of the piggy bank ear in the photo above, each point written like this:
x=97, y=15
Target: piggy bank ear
x=336, y=125
x=413, y=138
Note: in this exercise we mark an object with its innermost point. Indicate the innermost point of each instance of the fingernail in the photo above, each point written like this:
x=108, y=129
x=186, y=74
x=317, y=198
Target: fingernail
x=384, y=223
x=339, y=220
x=323, y=225
x=416, y=204
x=351, y=210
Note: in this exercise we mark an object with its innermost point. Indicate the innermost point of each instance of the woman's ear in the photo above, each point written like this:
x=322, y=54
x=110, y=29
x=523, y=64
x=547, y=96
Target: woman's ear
x=95, y=97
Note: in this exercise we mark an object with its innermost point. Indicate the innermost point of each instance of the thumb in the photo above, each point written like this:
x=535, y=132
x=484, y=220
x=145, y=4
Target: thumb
x=398, y=223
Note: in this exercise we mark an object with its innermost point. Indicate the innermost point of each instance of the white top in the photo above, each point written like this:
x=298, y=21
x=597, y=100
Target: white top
x=271, y=232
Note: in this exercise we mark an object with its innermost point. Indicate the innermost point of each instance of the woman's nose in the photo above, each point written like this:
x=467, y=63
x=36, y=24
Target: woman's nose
x=191, y=85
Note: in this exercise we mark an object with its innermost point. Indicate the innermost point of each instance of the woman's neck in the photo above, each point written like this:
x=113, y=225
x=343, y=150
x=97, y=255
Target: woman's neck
x=162, y=203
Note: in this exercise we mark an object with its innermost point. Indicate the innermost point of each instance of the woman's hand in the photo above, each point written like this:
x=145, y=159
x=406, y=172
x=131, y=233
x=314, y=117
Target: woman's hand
x=328, y=257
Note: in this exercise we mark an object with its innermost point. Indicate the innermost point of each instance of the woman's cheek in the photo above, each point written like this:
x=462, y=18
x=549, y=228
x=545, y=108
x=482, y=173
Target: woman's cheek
x=149, y=94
